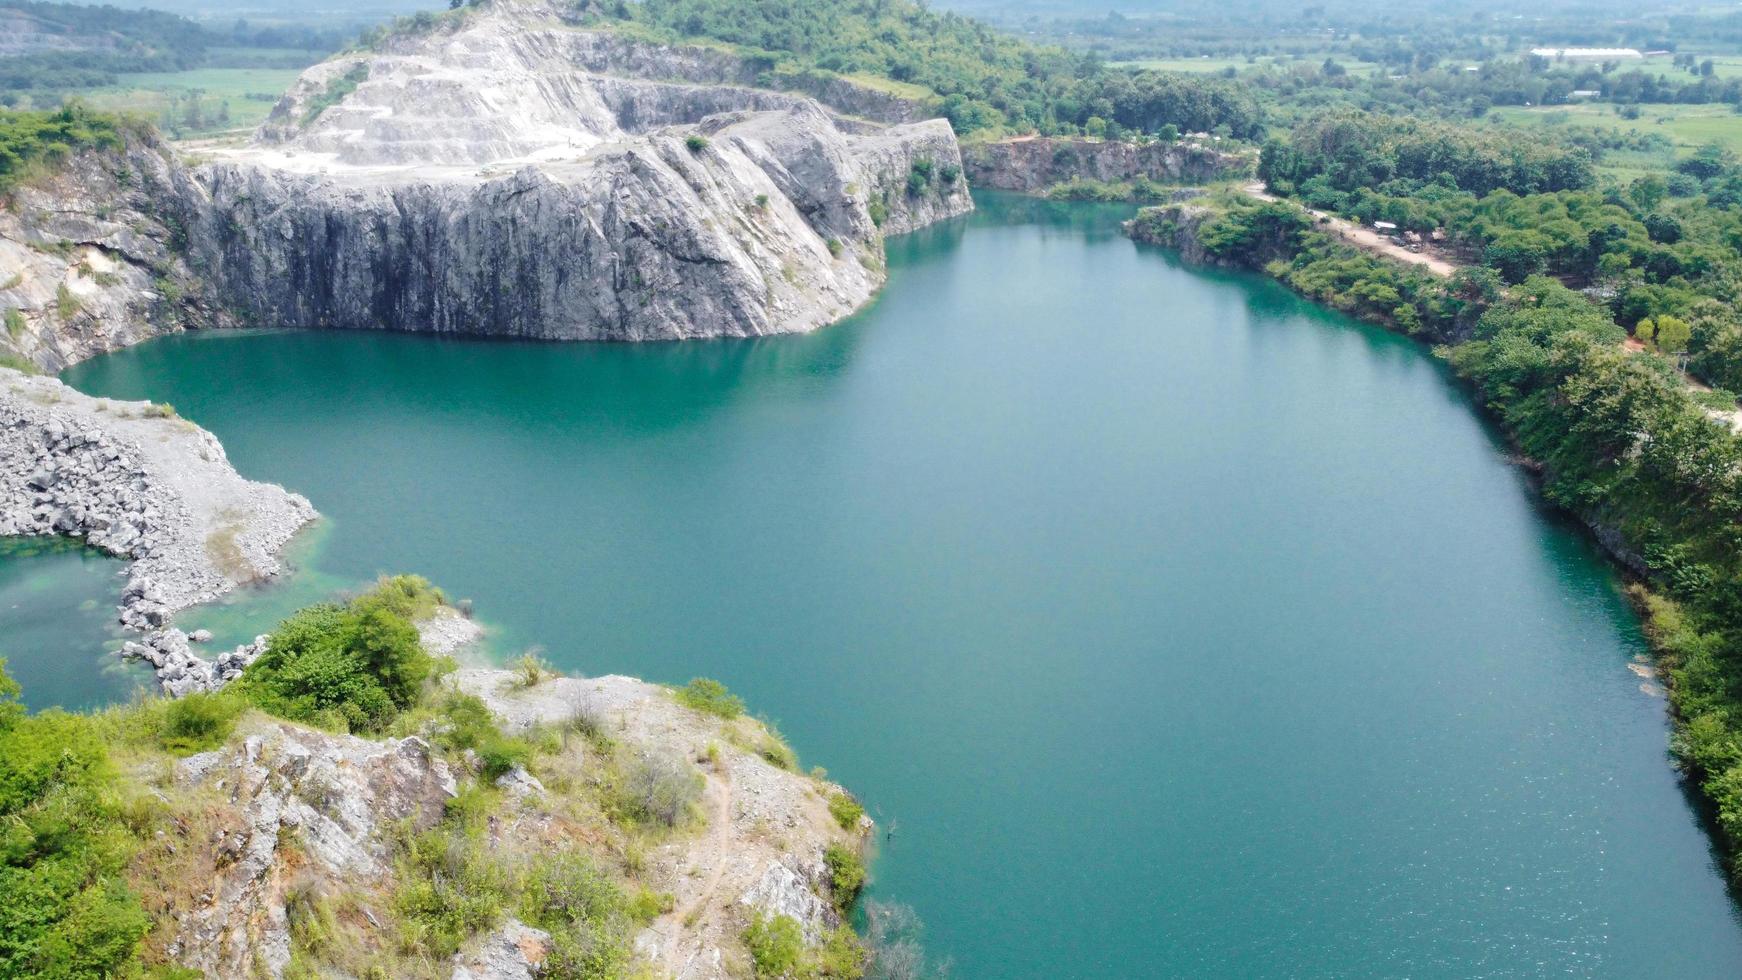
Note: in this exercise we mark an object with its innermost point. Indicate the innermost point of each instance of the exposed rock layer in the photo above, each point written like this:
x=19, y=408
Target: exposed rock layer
x=767, y=228
x=509, y=175
x=91, y=257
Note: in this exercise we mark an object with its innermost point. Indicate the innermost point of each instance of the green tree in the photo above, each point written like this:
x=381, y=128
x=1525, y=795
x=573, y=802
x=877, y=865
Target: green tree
x=1672, y=334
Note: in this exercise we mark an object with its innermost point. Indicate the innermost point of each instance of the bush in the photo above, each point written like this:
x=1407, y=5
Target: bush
x=531, y=670
x=710, y=697
x=406, y=596
x=501, y=754
x=449, y=889
x=659, y=788
x=352, y=667
x=775, y=944
x=846, y=875
x=201, y=720
x=646, y=905
x=586, y=913
x=696, y=142
x=65, y=908
x=835, y=247
x=846, y=810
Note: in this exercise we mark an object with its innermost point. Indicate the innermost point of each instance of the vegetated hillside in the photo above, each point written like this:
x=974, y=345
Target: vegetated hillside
x=354, y=805
x=1620, y=437
x=52, y=51
x=985, y=81
x=60, y=45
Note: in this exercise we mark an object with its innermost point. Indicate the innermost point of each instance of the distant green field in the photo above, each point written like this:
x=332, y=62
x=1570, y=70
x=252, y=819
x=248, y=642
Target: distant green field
x=1687, y=126
x=1239, y=64
x=1723, y=65
x=227, y=98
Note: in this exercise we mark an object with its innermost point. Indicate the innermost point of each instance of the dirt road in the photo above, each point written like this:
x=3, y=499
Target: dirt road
x=1364, y=238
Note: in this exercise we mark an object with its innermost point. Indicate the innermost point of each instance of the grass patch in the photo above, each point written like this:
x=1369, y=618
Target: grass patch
x=710, y=697
x=65, y=303
x=846, y=810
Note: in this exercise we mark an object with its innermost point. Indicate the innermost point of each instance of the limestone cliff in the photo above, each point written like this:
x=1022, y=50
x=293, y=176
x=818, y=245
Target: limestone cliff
x=1034, y=163
x=508, y=174
x=505, y=173
x=91, y=257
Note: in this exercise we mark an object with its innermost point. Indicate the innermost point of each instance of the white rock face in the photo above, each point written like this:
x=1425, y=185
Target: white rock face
x=340, y=795
x=90, y=260
x=515, y=176
x=514, y=951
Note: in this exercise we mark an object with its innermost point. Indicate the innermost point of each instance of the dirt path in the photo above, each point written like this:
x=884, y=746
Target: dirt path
x=718, y=842
x=1364, y=238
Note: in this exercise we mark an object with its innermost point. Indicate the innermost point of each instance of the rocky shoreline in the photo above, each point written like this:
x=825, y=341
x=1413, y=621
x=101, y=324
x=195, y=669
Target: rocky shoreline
x=136, y=482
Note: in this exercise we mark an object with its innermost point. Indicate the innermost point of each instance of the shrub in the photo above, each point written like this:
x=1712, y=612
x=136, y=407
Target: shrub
x=531, y=670
x=646, y=905
x=14, y=323
x=586, y=913
x=65, y=908
x=846, y=875
x=449, y=889
x=464, y=721
x=879, y=212
x=502, y=754
x=845, y=810
x=710, y=697
x=406, y=596
x=65, y=303
x=659, y=788
x=201, y=720
x=696, y=142
x=834, y=246
x=775, y=944
x=354, y=666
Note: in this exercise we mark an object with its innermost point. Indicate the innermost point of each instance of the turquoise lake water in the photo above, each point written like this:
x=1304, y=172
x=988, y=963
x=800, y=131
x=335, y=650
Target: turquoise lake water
x=1174, y=627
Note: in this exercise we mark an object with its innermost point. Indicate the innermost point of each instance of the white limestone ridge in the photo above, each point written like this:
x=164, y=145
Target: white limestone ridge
x=508, y=173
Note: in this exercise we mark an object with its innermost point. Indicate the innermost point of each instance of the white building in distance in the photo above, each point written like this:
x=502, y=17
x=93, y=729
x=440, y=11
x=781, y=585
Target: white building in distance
x=1587, y=54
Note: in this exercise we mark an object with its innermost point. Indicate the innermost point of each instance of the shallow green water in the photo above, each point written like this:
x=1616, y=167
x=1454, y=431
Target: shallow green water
x=1174, y=627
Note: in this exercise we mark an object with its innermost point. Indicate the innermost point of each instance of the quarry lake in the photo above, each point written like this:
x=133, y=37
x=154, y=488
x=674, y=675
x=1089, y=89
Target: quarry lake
x=1168, y=625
